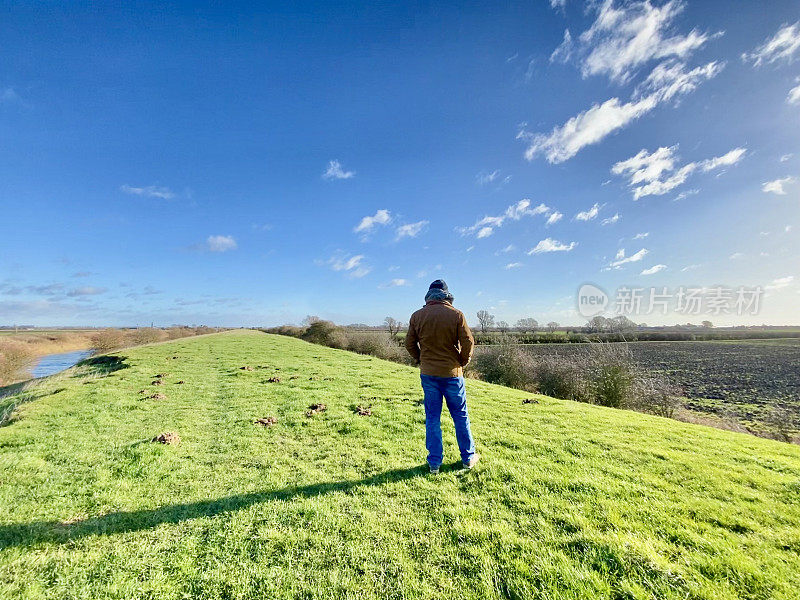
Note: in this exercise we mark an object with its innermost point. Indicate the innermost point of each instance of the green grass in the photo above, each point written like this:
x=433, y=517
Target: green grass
x=569, y=501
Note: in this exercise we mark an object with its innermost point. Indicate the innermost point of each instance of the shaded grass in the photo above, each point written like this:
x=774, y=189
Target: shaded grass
x=570, y=500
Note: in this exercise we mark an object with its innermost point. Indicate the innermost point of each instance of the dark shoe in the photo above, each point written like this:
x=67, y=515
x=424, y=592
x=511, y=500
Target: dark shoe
x=472, y=461
x=434, y=470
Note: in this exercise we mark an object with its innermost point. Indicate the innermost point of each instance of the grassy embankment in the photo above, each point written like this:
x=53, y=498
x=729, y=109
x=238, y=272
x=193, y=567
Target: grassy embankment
x=570, y=500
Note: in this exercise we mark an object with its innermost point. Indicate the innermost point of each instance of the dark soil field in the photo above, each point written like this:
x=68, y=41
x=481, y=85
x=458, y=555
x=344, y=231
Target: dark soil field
x=755, y=382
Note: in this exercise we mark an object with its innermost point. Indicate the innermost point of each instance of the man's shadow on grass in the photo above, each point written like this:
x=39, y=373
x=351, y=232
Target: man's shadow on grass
x=28, y=534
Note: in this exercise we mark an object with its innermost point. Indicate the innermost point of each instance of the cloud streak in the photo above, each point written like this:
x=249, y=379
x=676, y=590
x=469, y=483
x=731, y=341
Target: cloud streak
x=150, y=191
x=336, y=171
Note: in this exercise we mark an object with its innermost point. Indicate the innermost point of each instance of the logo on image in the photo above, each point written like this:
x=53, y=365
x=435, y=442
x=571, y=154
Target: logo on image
x=592, y=300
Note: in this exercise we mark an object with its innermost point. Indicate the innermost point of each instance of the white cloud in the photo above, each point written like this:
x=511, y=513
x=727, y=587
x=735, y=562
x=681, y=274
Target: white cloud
x=554, y=217
x=506, y=250
x=411, y=229
x=584, y=129
x=726, y=160
x=484, y=178
x=624, y=38
x=352, y=265
x=558, y=3
x=9, y=94
x=485, y=227
x=610, y=220
x=220, y=243
x=397, y=283
x=794, y=95
x=690, y=268
x=654, y=269
x=512, y=265
x=588, y=215
x=641, y=236
x=670, y=79
x=777, y=186
x=621, y=259
x=736, y=256
x=335, y=171
x=655, y=174
x=685, y=194
x=786, y=157
x=88, y=290
x=667, y=81
x=551, y=245
x=150, y=191
x=381, y=217
x=564, y=51
x=781, y=46
x=780, y=283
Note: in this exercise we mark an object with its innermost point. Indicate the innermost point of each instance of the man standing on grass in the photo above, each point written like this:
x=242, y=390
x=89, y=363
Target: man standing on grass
x=439, y=340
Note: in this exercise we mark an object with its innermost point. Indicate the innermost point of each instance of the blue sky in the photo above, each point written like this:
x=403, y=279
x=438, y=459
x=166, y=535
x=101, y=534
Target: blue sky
x=210, y=163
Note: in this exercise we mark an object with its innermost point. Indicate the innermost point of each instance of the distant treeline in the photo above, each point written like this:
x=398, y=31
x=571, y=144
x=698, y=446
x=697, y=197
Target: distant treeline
x=578, y=337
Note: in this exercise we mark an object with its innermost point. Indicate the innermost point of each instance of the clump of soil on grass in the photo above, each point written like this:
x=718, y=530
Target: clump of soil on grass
x=274, y=380
x=246, y=368
x=175, y=357
x=364, y=411
x=530, y=401
x=157, y=382
x=315, y=409
x=143, y=391
x=158, y=396
x=179, y=382
x=168, y=437
x=266, y=421
x=160, y=375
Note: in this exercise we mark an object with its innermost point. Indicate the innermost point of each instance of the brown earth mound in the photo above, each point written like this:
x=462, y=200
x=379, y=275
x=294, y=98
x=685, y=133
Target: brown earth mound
x=274, y=380
x=168, y=437
x=246, y=368
x=315, y=409
x=158, y=396
x=158, y=382
x=364, y=411
x=266, y=421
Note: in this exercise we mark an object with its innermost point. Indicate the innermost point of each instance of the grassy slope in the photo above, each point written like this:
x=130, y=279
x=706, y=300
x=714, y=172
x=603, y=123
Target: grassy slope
x=570, y=501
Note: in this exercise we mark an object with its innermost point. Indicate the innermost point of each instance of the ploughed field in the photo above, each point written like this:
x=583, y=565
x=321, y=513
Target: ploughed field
x=244, y=465
x=748, y=381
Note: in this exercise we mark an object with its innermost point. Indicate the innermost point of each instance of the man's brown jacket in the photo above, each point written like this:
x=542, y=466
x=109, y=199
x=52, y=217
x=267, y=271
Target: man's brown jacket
x=439, y=339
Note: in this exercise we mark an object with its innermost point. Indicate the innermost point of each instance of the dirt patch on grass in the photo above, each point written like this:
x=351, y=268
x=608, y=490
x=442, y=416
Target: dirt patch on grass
x=180, y=382
x=158, y=396
x=530, y=401
x=363, y=411
x=157, y=382
x=316, y=409
x=266, y=421
x=246, y=368
x=274, y=380
x=168, y=437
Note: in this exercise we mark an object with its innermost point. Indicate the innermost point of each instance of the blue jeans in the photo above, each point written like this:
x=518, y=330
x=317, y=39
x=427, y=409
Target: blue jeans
x=452, y=388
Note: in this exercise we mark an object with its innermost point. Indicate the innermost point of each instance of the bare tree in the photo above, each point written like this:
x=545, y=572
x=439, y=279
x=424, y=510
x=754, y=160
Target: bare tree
x=502, y=326
x=598, y=324
x=485, y=320
x=527, y=324
x=552, y=326
x=707, y=324
x=310, y=320
x=393, y=325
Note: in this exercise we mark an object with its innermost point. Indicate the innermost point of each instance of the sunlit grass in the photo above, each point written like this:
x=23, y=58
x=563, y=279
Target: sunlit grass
x=569, y=501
